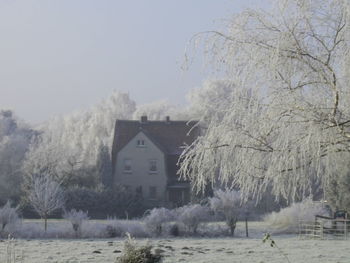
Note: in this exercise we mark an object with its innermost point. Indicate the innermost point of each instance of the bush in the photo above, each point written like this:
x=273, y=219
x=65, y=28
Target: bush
x=119, y=228
x=8, y=215
x=287, y=219
x=76, y=218
x=192, y=216
x=228, y=204
x=135, y=254
x=174, y=230
x=156, y=218
x=112, y=231
x=102, y=203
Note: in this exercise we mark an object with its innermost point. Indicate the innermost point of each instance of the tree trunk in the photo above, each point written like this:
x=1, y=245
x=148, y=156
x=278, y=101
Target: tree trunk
x=232, y=225
x=45, y=222
x=246, y=226
x=232, y=229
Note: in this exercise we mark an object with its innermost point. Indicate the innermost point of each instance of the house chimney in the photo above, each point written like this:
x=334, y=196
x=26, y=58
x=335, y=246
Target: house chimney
x=167, y=119
x=143, y=119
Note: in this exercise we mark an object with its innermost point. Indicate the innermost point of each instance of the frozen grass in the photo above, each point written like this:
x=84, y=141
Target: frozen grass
x=218, y=248
x=196, y=250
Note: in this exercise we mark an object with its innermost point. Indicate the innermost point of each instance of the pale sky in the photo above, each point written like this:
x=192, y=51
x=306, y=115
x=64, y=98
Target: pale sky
x=57, y=56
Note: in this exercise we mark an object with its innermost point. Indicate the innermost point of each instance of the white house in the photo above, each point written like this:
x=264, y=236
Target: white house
x=145, y=158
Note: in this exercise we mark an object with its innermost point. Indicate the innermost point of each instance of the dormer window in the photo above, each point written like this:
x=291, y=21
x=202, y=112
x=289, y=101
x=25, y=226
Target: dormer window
x=140, y=143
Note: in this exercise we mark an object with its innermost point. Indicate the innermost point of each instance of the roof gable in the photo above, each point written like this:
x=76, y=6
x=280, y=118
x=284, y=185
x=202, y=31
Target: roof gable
x=169, y=136
x=160, y=147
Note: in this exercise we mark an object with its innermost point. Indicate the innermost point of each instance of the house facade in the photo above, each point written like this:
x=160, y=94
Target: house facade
x=145, y=158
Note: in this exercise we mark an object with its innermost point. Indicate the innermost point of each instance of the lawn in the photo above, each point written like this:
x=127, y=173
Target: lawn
x=182, y=249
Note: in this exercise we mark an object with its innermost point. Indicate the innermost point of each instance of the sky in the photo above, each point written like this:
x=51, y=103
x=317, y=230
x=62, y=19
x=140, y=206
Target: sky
x=59, y=56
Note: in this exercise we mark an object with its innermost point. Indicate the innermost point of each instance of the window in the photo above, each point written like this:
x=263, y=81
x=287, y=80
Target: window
x=140, y=143
x=127, y=165
x=153, y=166
x=138, y=191
x=152, y=192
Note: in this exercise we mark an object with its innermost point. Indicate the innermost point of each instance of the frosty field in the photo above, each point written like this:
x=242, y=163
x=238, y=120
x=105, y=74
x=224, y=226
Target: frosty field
x=183, y=249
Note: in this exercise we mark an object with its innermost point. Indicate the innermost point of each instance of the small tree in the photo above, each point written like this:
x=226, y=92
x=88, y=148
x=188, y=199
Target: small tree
x=156, y=218
x=228, y=204
x=46, y=196
x=77, y=219
x=192, y=215
x=8, y=215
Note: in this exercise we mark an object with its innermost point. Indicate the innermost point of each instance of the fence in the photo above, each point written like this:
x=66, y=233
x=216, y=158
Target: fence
x=323, y=228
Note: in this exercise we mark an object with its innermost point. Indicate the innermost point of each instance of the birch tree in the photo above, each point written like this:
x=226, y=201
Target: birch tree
x=292, y=129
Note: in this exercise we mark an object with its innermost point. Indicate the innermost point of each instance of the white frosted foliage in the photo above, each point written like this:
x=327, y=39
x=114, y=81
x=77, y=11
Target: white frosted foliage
x=288, y=219
x=227, y=203
x=46, y=196
x=74, y=141
x=287, y=124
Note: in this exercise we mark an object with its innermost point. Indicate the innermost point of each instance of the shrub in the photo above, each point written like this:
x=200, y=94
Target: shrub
x=135, y=254
x=8, y=215
x=192, y=216
x=113, y=231
x=119, y=228
x=287, y=219
x=174, y=230
x=102, y=203
x=156, y=218
x=76, y=218
x=228, y=204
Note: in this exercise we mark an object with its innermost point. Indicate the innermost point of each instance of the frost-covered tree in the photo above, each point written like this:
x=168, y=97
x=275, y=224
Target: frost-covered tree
x=104, y=165
x=338, y=193
x=46, y=196
x=158, y=110
x=292, y=129
x=69, y=147
x=211, y=100
x=227, y=203
x=15, y=137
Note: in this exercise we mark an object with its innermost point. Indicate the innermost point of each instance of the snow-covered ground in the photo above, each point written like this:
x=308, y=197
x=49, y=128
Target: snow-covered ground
x=184, y=249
